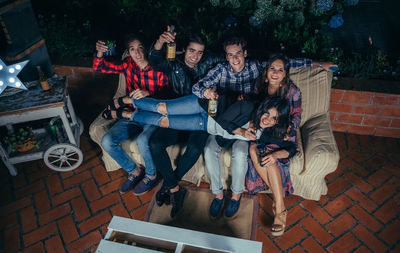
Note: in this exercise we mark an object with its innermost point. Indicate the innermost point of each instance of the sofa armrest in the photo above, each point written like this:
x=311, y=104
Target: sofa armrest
x=96, y=131
x=297, y=161
x=321, y=155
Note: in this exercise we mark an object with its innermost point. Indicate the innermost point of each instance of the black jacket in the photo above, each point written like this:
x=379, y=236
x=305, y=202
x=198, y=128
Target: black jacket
x=181, y=78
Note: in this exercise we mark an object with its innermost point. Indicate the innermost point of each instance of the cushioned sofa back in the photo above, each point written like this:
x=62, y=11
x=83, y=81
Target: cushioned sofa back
x=315, y=86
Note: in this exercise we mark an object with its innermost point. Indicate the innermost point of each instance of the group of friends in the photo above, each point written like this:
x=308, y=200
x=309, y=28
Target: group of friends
x=166, y=102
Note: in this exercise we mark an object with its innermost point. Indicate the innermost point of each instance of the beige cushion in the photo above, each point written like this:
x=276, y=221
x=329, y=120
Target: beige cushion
x=320, y=149
x=297, y=161
x=315, y=86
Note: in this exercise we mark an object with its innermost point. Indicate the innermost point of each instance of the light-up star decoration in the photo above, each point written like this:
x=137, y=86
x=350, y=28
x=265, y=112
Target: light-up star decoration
x=8, y=75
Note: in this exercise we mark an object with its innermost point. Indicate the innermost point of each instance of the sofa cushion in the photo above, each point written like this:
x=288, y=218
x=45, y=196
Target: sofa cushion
x=315, y=86
x=96, y=131
x=320, y=149
x=297, y=161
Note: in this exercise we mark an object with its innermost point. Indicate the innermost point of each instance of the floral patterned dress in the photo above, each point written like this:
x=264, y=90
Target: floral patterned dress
x=253, y=181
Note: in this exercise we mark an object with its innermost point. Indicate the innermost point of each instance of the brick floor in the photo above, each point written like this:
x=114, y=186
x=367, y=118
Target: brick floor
x=43, y=210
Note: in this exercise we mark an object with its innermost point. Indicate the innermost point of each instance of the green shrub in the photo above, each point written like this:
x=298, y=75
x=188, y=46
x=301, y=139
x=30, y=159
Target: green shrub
x=66, y=37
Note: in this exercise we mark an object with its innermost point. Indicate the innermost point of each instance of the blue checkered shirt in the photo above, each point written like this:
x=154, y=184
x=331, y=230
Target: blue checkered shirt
x=244, y=82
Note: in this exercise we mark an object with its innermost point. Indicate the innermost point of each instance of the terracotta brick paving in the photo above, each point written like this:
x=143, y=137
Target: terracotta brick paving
x=45, y=211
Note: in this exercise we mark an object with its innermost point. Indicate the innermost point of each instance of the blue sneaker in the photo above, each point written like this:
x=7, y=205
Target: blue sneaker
x=131, y=182
x=216, y=207
x=232, y=208
x=145, y=185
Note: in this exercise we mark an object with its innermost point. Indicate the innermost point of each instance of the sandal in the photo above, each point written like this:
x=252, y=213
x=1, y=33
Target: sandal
x=273, y=207
x=120, y=103
x=278, y=229
x=107, y=114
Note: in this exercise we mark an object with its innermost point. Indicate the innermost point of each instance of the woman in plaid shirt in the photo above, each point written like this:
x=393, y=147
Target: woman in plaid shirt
x=141, y=81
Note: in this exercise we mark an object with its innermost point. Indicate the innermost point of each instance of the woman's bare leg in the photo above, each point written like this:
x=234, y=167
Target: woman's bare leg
x=272, y=175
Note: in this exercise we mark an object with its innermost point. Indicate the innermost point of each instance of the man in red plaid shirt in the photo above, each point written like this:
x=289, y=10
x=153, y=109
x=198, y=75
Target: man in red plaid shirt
x=141, y=81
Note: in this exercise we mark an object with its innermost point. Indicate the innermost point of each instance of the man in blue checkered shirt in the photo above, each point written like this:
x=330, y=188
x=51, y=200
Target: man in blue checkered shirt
x=238, y=74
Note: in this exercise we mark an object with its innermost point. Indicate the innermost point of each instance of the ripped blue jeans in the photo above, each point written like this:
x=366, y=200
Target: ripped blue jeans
x=184, y=113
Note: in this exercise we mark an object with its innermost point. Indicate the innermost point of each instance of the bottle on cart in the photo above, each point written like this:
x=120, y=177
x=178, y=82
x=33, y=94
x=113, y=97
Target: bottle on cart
x=171, y=47
x=43, y=79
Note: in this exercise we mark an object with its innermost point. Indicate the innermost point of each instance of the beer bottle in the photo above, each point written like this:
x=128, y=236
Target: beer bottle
x=171, y=47
x=213, y=105
x=43, y=79
x=261, y=152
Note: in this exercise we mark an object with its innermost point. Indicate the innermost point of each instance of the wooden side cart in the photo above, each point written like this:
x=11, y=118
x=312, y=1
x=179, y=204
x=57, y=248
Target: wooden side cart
x=129, y=235
x=60, y=154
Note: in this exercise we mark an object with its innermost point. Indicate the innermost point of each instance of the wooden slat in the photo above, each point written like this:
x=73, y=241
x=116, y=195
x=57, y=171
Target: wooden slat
x=12, y=6
x=188, y=237
x=114, y=247
x=61, y=104
x=26, y=51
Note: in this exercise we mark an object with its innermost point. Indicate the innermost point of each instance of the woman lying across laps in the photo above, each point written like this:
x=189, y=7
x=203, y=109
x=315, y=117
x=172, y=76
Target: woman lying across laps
x=185, y=113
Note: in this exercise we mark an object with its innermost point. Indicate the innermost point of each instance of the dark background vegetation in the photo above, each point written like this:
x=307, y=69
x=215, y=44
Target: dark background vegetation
x=296, y=27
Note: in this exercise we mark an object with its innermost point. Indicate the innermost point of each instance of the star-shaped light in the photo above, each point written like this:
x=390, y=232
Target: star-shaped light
x=8, y=75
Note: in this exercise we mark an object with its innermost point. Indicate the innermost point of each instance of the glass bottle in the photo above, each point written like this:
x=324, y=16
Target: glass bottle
x=171, y=47
x=43, y=79
x=213, y=106
x=261, y=152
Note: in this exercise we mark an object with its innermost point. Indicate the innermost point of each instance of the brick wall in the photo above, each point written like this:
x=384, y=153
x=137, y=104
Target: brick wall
x=74, y=72
x=359, y=112
x=363, y=112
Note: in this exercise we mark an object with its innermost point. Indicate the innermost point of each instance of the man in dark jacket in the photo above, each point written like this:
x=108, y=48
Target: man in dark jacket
x=182, y=73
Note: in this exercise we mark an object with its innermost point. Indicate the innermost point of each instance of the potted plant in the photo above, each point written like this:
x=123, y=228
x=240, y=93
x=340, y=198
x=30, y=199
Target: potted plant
x=21, y=140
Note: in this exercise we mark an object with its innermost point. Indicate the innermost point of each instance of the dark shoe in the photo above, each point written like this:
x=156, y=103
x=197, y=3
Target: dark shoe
x=119, y=101
x=177, y=199
x=145, y=185
x=216, y=207
x=107, y=114
x=163, y=196
x=232, y=208
x=131, y=182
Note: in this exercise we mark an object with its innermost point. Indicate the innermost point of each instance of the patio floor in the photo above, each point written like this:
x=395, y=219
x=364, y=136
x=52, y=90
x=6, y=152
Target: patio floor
x=45, y=211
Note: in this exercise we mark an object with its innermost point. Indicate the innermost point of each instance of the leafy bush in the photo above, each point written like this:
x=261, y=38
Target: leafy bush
x=294, y=27
x=66, y=37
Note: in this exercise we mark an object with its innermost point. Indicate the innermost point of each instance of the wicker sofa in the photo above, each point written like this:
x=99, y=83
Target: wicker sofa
x=318, y=153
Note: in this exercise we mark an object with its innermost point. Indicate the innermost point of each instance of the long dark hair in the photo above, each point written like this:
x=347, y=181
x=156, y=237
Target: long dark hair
x=262, y=87
x=282, y=106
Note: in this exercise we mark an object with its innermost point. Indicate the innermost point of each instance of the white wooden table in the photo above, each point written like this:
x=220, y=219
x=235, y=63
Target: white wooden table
x=129, y=235
x=35, y=104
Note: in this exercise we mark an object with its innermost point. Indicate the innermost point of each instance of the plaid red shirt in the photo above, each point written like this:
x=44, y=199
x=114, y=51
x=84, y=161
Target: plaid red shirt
x=145, y=79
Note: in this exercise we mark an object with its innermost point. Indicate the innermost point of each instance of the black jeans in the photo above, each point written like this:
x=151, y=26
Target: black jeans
x=164, y=137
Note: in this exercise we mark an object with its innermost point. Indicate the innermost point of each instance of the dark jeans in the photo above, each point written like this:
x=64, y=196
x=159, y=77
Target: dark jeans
x=164, y=137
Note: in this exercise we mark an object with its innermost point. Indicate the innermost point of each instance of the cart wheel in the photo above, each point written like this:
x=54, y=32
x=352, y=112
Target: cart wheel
x=81, y=126
x=63, y=157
